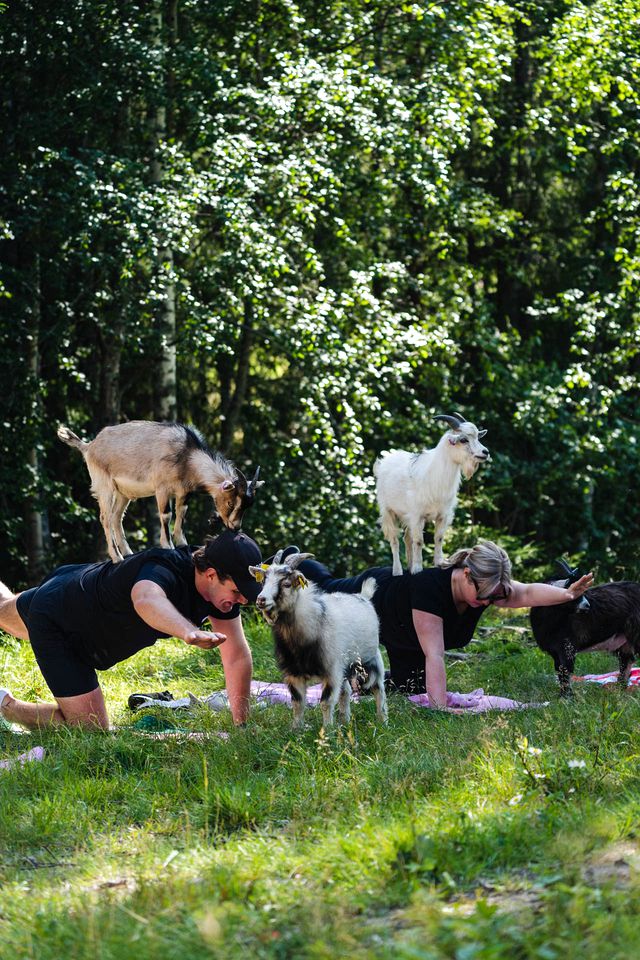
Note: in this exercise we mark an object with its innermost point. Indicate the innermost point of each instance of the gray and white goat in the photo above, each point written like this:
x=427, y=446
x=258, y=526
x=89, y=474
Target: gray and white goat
x=327, y=637
x=414, y=487
x=606, y=617
x=144, y=458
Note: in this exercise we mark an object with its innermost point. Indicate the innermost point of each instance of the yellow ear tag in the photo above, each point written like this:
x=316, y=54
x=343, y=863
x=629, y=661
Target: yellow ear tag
x=301, y=581
x=260, y=577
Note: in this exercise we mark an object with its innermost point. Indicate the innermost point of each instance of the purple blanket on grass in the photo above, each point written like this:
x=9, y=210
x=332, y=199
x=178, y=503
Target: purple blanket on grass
x=474, y=702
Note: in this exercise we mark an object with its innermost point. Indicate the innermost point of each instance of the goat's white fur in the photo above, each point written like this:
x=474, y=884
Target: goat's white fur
x=412, y=488
x=338, y=629
x=143, y=458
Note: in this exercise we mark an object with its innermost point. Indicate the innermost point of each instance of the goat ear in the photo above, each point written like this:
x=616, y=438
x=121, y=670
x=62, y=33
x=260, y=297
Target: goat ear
x=258, y=573
x=296, y=559
x=481, y=434
x=299, y=581
x=572, y=573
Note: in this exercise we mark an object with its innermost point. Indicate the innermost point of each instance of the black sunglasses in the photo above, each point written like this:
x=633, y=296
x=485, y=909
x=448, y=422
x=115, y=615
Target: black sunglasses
x=492, y=597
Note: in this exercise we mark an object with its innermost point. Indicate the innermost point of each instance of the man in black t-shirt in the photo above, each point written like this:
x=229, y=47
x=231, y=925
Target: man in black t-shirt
x=87, y=617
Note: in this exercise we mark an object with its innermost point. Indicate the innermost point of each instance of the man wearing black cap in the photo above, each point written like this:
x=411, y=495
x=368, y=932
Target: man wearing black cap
x=87, y=617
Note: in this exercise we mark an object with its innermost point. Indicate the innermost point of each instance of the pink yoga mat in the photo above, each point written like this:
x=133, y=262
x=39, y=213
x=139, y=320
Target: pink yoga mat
x=475, y=702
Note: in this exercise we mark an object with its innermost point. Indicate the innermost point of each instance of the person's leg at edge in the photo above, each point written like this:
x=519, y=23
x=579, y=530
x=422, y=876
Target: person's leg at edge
x=85, y=710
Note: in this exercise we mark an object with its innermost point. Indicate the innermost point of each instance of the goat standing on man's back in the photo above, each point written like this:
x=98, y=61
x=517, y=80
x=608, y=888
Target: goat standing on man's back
x=144, y=458
x=412, y=488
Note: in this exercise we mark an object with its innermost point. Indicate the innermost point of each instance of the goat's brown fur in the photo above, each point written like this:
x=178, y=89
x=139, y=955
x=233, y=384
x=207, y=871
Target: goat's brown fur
x=144, y=458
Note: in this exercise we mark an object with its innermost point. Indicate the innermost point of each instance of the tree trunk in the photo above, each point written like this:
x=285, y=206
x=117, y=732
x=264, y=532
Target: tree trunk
x=167, y=403
x=232, y=409
x=110, y=358
x=35, y=536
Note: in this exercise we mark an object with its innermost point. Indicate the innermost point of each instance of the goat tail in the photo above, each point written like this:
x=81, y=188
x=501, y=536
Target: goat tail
x=69, y=437
x=369, y=587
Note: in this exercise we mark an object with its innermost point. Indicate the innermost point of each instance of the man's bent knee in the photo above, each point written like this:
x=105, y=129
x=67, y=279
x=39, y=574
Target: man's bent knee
x=85, y=710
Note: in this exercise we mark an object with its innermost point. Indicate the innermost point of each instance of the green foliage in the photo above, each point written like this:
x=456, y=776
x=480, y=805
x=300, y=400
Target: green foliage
x=369, y=214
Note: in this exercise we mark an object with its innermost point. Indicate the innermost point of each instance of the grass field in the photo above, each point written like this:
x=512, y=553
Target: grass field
x=498, y=835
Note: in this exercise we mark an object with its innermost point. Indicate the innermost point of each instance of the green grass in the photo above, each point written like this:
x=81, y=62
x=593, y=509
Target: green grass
x=439, y=836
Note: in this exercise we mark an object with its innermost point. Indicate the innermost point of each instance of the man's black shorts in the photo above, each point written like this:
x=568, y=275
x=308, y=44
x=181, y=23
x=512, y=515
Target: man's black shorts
x=55, y=649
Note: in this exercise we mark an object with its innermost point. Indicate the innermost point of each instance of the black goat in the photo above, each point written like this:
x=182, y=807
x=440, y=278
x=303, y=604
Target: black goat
x=606, y=617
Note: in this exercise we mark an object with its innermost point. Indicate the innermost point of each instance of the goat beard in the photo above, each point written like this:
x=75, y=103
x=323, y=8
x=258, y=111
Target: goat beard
x=470, y=468
x=270, y=616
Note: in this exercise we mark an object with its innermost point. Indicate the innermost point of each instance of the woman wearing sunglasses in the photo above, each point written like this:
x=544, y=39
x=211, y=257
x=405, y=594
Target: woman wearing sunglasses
x=423, y=614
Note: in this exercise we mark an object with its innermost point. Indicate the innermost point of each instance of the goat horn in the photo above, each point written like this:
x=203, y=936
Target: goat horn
x=296, y=559
x=251, y=489
x=276, y=559
x=453, y=420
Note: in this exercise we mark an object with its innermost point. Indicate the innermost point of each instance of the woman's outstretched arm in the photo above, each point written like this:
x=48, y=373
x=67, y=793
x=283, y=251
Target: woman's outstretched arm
x=544, y=594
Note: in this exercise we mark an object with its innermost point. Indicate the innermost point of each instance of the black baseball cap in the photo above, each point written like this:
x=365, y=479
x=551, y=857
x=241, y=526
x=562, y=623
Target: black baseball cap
x=232, y=552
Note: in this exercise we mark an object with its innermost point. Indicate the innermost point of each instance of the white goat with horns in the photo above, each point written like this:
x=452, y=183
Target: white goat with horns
x=144, y=458
x=412, y=488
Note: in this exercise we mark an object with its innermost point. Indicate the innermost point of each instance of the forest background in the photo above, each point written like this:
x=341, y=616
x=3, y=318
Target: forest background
x=307, y=228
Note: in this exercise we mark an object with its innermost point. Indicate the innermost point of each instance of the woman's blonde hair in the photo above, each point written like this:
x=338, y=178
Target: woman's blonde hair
x=488, y=564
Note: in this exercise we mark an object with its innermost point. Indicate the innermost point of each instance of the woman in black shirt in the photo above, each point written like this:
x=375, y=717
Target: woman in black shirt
x=423, y=614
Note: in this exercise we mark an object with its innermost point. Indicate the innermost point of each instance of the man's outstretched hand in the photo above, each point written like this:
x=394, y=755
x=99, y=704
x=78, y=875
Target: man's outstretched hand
x=204, y=639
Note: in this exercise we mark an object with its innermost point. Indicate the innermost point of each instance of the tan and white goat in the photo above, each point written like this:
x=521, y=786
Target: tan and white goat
x=144, y=458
